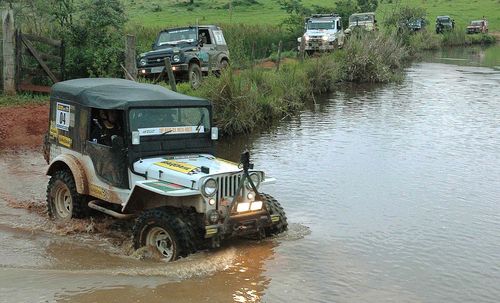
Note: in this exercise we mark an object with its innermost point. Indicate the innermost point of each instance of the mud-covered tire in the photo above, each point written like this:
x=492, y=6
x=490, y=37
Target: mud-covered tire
x=63, y=200
x=194, y=75
x=275, y=208
x=166, y=231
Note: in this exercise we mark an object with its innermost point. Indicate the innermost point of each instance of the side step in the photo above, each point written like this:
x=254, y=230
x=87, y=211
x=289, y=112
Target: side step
x=94, y=205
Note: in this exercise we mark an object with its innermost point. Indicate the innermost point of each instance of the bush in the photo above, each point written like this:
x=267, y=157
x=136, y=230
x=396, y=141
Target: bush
x=373, y=57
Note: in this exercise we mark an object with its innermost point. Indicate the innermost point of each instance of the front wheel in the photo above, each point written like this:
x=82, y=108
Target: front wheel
x=276, y=211
x=164, y=231
x=195, y=75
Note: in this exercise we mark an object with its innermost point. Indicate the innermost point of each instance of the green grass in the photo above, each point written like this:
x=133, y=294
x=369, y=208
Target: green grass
x=23, y=100
x=166, y=13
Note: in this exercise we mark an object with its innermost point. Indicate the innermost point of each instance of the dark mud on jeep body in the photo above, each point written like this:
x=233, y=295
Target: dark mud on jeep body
x=193, y=51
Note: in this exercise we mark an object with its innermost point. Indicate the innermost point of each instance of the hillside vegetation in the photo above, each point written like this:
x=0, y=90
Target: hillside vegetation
x=165, y=13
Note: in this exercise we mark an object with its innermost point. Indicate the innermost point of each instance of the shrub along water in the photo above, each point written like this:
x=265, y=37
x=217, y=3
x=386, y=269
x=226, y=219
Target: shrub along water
x=254, y=97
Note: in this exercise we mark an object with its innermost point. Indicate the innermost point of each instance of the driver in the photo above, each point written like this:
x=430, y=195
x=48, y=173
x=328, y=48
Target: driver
x=109, y=127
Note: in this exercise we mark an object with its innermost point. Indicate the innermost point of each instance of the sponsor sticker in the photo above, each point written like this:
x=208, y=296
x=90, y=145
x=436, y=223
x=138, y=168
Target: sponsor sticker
x=98, y=192
x=53, y=130
x=164, y=186
x=65, y=141
x=181, y=167
x=170, y=130
x=62, y=116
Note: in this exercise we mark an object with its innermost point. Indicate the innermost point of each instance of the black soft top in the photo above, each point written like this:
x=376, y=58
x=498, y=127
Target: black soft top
x=110, y=93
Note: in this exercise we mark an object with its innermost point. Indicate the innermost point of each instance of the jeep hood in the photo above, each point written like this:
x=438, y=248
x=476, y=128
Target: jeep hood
x=185, y=170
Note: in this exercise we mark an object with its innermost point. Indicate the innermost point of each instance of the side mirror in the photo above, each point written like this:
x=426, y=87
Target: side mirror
x=215, y=133
x=136, y=138
x=153, y=45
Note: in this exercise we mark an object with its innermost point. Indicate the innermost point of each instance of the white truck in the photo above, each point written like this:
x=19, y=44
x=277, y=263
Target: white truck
x=323, y=32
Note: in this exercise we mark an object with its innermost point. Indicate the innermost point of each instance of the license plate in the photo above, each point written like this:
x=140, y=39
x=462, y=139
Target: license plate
x=158, y=69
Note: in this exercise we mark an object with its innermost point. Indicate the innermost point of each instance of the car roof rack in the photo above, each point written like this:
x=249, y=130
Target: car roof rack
x=324, y=15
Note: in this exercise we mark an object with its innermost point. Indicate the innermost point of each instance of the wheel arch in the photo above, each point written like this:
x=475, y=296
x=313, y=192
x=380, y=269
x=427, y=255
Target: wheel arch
x=71, y=163
x=194, y=60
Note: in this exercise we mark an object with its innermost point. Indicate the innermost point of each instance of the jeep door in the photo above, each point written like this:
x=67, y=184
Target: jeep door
x=220, y=44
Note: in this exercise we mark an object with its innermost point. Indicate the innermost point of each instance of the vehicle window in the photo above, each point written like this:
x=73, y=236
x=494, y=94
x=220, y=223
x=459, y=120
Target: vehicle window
x=321, y=25
x=360, y=18
x=187, y=35
x=169, y=121
x=104, y=125
x=204, y=34
x=339, y=25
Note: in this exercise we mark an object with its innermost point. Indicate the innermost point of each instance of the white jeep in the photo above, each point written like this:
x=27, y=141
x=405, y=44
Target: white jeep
x=140, y=151
x=323, y=32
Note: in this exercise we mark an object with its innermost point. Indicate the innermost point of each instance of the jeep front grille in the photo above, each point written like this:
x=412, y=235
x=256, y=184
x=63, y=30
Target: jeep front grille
x=159, y=60
x=228, y=185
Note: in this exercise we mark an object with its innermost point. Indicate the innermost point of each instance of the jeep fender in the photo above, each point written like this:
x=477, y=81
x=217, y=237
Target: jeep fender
x=71, y=162
x=153, y=193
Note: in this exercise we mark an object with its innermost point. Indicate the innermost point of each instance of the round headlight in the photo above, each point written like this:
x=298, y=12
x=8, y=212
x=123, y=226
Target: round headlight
x=306, y=37
x=255, y=179
x=325, y=38
x=176, y=58
x=209, y=187
x=143, y=62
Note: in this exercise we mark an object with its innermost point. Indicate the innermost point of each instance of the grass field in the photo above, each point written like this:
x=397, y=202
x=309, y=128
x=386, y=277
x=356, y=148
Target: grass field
x=165, y=13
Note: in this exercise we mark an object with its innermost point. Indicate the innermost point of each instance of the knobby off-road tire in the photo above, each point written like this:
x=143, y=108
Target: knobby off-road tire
x=63, y=201
x=195, y=75
x=165, y=230
x=275, y=208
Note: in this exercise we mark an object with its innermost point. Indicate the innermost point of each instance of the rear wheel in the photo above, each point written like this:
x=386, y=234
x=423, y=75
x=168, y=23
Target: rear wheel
x=276, y=210
x=63, y=201
x=195, y=75
x=165, y=231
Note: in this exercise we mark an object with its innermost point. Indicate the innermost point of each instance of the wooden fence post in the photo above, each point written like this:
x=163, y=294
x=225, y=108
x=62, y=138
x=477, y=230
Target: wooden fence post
x=170, y=73
x=130, y=57
x=279, y=57
x=9, y=55
x=302, y=48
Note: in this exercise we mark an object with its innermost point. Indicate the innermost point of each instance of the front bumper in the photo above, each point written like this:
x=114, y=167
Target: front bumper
x=322, y=46
x=242, y=224
x=156, y=70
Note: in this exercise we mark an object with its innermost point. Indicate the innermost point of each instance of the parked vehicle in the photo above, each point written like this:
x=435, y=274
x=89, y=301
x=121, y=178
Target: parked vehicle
x=323, y=32
x=444, y=24
x=477, y=27
x=365, y=21
x=417, y=24
x=133, y=150
x=190, y=49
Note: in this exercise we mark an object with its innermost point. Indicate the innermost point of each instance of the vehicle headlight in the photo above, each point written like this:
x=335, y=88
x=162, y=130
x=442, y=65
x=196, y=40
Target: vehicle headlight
x=143, y=62
x=209, y=187
x=325, y=38
x=249, y=206
x=176, y=58
x=306, y=37
x=255, y=177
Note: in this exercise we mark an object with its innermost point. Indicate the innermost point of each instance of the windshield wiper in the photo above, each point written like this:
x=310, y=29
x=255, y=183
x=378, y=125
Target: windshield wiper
x=198, y=127
x=167, y=132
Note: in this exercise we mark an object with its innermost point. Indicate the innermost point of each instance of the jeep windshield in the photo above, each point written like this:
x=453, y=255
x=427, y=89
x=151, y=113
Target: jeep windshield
x=476, y=23
x=360, y=18
x=177, y=36
x=169, y=121
x=321, y=25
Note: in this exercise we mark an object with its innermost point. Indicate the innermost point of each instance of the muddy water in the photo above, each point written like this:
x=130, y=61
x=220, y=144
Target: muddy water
x=392, y=193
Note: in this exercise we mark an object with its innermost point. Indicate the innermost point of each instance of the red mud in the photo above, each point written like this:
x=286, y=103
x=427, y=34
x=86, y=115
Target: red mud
x=23, y=126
